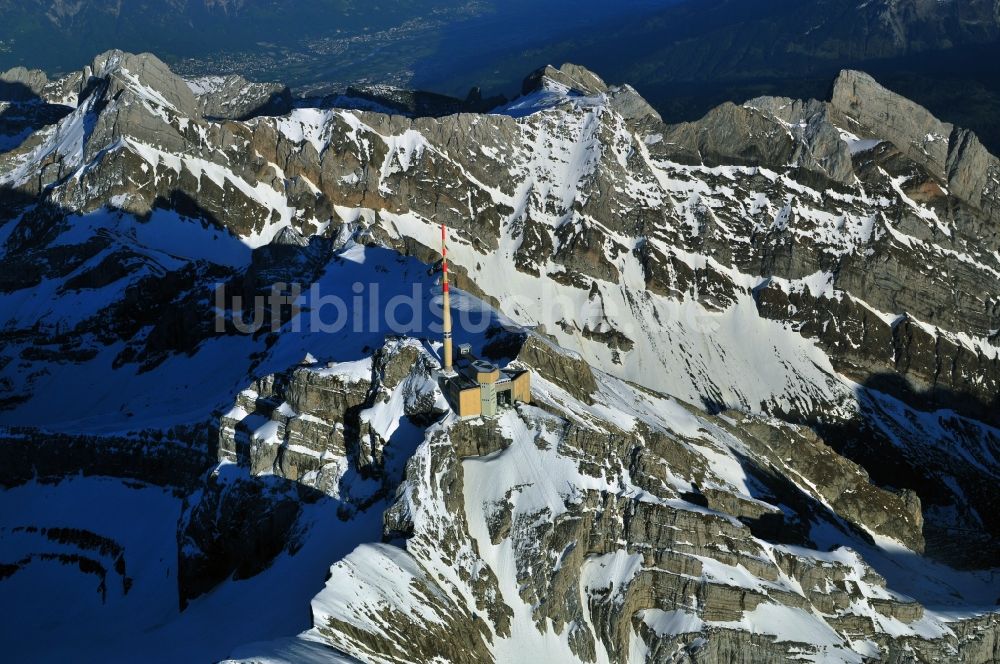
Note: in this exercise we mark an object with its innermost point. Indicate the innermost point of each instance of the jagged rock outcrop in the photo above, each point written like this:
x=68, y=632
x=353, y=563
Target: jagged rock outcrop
x=570, y=373
x=235, y=98
x=571, y=76
x=771, y=132
x=315, y=424
x=910, y=127
x=124, y=71
x=234, y=528
x=905, y=358
x=952, y=155
x=411, y=103
x=173, y=458
x=22, y=84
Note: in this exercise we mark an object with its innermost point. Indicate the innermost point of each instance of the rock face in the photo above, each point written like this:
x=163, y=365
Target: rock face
x=303, y=425
x=21, y=84
x=235, y=98
x=952, y=155
x=911, y=128
x=28, y=102
x=763, y=349
x=570, y=373
x=570, y=76
x=772, y=132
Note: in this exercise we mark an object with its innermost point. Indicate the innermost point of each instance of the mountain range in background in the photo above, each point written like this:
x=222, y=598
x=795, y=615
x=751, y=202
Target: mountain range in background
x=764, y=366
x=685, y=56
x=763, y=342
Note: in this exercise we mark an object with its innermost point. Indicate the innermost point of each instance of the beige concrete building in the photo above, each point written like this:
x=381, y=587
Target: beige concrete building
x=478, y=387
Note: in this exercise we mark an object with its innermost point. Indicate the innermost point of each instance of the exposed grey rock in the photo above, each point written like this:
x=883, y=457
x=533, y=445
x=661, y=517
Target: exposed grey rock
x=235, y=98
x=571, y=374
x=973, y=174
x=574, y=77
x=879, y=113
x=952, y=155
x=628, y=103
x=411, y=103
x=767, y=131
x=21, y=84
x=125, y=69
x=838, y=482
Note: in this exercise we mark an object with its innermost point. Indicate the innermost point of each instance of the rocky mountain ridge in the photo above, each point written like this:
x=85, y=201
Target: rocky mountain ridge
x=764, y=355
